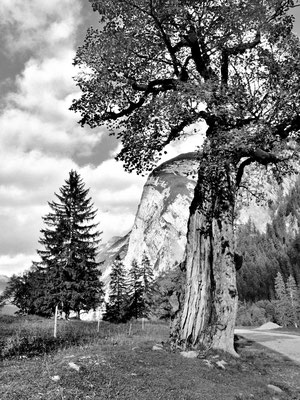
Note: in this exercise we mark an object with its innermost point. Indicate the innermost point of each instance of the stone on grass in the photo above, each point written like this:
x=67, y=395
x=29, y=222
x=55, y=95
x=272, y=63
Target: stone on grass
x=208, y=363
x=221, y=364
x=274, y=389
x=55, y=378
x=189, y=354
x=74, y=366
x=157, y=347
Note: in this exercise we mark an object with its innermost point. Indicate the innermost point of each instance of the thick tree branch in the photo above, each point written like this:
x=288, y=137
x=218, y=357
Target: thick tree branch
x=155, y=86
x=255, y=155
x=233, y=51
x=188, y=120
x=242, y=47
x=110, y=115
x=198, y=53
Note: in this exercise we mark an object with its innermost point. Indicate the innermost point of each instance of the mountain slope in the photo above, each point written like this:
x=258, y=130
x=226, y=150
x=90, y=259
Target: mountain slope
x=160, y=224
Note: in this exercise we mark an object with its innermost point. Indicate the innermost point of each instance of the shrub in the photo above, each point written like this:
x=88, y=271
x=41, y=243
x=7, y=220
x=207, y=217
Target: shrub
x=251, y=315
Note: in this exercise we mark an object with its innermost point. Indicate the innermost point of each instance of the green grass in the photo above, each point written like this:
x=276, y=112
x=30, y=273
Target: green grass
x=31, y=336
x=116, y=365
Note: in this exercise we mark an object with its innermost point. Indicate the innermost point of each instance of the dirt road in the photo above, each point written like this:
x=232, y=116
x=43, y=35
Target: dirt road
x=285, y=344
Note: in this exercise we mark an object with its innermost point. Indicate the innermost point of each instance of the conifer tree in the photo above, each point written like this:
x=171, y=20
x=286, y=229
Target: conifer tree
x=116, y=307
x=294, y=305
x=147, y=283
x=70, y=243
x=135, y=291
x=282, y=299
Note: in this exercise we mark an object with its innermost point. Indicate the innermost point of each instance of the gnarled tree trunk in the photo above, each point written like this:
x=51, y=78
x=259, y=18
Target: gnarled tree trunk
x=206, y=317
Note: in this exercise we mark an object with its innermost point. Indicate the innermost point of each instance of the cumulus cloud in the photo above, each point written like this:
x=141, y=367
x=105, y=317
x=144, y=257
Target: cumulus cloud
x=37, y=114
x=39, y=26
x=16, y=264
x=40, y=139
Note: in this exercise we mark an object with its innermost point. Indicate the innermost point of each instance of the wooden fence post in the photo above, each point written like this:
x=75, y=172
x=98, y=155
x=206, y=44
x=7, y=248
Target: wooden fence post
x=55, y=321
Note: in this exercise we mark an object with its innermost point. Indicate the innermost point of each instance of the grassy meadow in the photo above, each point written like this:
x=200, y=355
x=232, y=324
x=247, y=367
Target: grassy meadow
x=119, y=362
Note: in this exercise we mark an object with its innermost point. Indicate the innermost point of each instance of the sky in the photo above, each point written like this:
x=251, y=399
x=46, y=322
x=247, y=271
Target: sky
x=40, y=139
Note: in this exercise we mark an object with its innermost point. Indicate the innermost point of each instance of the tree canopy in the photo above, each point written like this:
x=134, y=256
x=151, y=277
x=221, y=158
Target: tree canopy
x=155, y=67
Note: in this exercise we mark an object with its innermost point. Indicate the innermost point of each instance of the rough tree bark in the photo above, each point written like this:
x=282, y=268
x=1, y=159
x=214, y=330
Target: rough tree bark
x=208, y=303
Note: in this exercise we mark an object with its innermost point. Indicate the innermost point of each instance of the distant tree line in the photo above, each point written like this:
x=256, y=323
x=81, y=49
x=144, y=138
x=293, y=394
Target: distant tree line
x=269, y=280
x=131, y=294
x=67, y=275
x=275, y=250
x=283, y=309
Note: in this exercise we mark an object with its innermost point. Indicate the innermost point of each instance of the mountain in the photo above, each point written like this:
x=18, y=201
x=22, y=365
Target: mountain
x=3, y=282
x=108, y=251
x=160, y=224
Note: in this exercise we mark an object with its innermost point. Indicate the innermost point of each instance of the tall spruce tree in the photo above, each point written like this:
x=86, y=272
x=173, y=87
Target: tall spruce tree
x=282, y=300
x=70, y=243
x=135, y=291
x=116, y=306
x=294, y=305
x=147, y=278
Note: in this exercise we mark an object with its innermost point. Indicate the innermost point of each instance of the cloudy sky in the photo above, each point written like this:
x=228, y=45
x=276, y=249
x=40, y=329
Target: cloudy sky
x=40, y=140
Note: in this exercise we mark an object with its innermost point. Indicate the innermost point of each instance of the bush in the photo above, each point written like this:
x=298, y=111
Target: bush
x=251, y=315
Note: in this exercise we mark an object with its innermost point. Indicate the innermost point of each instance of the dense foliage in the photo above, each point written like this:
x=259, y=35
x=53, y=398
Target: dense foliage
x=67, y=274
x=153, y=68
x=275, y=250
x=131, y=292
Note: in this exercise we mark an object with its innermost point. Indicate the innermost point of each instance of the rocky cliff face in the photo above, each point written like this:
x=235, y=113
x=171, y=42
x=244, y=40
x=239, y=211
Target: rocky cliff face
x=160, y=225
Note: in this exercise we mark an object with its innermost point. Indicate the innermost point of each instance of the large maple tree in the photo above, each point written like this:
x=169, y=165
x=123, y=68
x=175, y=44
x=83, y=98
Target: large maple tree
x=155, y=68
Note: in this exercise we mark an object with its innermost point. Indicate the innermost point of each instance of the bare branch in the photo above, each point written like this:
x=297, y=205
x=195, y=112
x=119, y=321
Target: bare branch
x=250, y=191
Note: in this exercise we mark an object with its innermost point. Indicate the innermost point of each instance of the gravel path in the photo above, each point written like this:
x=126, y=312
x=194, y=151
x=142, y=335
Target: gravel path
x=284, y=343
